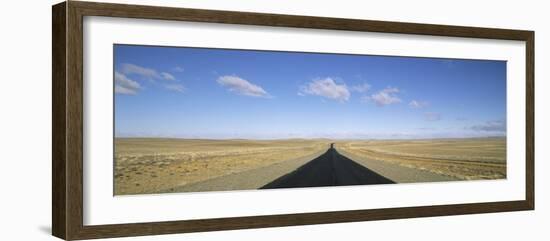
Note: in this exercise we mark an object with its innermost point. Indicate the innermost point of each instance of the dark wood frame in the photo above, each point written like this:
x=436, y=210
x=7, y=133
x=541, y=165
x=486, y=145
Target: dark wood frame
x=67, y=123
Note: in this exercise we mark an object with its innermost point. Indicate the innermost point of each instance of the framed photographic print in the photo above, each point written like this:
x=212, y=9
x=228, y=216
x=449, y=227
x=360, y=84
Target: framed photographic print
x=171, y=120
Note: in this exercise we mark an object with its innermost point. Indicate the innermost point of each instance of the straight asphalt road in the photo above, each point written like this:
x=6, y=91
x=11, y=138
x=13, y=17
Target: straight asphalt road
x=329, y=169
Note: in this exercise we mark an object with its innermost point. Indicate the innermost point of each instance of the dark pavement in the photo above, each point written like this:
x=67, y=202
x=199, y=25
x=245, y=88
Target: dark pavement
x=329, y=169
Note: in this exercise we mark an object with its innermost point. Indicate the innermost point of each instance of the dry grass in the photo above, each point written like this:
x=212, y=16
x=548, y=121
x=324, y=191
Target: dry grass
x=146, y=165
x=467, y=159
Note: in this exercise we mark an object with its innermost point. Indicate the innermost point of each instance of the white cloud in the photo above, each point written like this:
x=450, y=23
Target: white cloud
x=147, y=73
x=124, y=85
x=418, y=104
x=175, y=87
x=432, y=116
x=326, y=88
x=129, y=69
x=499, y=126
x=362, y=88
x=167, y=76
x=241, y=86
x=384, y=97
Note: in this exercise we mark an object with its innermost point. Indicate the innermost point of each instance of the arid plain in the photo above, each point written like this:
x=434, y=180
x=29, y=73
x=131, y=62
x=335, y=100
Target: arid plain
x=162, y=165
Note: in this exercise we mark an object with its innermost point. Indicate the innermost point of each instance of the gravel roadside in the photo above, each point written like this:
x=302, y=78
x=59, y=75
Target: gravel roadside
x=250, y=179
x=397, y=173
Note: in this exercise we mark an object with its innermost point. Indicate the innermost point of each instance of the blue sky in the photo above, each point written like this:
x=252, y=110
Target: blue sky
x=218, y=93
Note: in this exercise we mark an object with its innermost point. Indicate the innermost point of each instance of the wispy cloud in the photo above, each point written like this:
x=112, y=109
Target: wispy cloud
x=124, y=85
x=432, y=116
x=178, y=69
x=144, y=72
x=175, y=87
x=167, y=76
x=418, y=104
x=494, y=126
x=241, y=86
x=384, y=97
x=326, y=88
x=362, y=88
x=131, y=69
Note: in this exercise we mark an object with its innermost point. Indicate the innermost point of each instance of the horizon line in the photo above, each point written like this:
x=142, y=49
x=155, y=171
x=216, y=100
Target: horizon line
x=316, y=138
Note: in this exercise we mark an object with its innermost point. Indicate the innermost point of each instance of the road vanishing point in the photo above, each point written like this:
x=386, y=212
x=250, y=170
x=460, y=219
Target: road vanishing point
x=329, y=169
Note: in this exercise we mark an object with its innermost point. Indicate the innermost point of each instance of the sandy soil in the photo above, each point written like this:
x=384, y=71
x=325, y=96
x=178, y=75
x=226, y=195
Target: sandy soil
x=159, y=165
x=461, y=159
x=181, y=165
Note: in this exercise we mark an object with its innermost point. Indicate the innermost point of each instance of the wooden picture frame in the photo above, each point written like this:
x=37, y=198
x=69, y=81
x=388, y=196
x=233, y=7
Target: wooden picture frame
x=67, y=124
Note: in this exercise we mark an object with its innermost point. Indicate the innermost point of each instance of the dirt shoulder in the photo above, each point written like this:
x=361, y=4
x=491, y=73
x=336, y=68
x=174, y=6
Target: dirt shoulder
x=250, y=179
x=397, y=173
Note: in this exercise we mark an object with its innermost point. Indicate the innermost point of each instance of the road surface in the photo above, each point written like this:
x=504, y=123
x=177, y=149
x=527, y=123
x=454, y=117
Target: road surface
x=329, y=169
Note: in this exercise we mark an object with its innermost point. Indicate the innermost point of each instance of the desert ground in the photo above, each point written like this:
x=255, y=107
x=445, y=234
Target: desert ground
x=146, y=165
x=460, y=159
x=161, y=165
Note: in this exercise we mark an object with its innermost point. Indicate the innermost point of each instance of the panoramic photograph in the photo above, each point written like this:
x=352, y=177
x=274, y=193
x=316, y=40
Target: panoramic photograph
x=190, y=119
